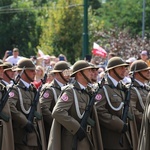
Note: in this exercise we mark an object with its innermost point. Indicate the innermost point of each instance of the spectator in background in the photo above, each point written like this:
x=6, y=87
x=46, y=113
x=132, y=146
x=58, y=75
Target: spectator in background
x=46, y=61
x=127, y=78
x=144, y=57
x=12, y=58
x=34, y=59
x=52, y=64
x=38, y=76
x=111, y=54
x=62, y=57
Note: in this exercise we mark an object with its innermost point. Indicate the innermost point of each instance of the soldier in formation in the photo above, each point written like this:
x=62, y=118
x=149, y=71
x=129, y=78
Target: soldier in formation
x=110, y=107
x=139, y=90
x=50, y=93
x=6, y=131
x=61, y=108
x=67, y=132
x=28, y=132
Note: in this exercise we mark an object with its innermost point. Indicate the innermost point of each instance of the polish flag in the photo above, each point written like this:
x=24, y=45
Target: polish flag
x=98, y=51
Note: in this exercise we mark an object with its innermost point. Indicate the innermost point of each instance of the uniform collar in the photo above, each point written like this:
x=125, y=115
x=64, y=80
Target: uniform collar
x=25, y=83
x=115, y=82
x=140, y=83
x=59, y=83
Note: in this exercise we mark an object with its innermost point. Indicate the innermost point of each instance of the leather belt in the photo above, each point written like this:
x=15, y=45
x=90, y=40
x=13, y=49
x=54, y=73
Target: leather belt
x=88, y=129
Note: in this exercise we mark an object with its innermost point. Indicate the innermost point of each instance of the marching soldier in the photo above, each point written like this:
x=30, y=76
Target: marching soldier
x=66, y=132
x=115, y=133
x=6, y=131
x=139, y=90
x=50, y=92
x=27, y=135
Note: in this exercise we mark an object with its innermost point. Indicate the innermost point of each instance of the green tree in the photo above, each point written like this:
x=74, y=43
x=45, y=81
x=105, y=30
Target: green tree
x=124, y=14
x=19, y=26
x=62, y=32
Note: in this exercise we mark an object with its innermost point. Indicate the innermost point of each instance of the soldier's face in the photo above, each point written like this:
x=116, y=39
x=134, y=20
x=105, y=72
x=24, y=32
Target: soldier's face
x=31, y=74
x=94, y=74
x=121, y=71
x=146, y=74
x=10, y=73
x=88, y=73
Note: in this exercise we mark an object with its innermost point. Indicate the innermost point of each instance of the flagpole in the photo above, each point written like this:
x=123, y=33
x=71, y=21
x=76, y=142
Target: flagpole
x=143, y=20
x=85, y=50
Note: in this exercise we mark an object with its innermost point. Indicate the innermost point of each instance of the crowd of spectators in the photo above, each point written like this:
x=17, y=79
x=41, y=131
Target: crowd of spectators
x=130, y=49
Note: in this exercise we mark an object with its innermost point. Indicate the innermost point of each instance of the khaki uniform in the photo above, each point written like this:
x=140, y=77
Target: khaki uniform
x=67, y=121
x=20, y=107
x=144, y=137
x=137, y=102
x=6, y=131
x=110, y=117
x=49, y=95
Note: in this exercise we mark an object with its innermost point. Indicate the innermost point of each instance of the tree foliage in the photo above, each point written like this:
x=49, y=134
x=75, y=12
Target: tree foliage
x=19, y=27
x=63, y=29
x=56, y=26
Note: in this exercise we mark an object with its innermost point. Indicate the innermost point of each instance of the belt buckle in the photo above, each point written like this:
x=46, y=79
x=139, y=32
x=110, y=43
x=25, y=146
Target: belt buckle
x=88, y=129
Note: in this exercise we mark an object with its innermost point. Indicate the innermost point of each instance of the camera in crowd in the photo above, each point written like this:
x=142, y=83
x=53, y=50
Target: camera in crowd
x=9, y=53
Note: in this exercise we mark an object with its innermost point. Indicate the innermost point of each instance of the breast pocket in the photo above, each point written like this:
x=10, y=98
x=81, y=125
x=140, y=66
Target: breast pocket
x=82, y=107
x=27, y=102
x=115, y=101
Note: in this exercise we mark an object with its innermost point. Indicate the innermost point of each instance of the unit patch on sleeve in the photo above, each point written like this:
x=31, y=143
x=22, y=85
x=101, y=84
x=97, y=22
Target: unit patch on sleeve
x=11, y=94
x=98, y=97
x=64, y=97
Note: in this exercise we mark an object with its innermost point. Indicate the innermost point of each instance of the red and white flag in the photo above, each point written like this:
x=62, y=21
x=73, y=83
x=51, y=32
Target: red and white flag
x=98, y=51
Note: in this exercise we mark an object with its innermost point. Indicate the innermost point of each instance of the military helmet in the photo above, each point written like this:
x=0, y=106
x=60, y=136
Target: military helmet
x=60, y=66
x=7, y=66
x=115, y=62
x=1, y=63
x=25, y=63
x=79, y=66
x=139, y=65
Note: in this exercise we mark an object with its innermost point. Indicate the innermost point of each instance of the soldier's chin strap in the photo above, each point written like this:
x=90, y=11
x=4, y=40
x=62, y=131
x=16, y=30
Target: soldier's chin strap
x=7, y=75
x=88, y=80
x=60, y=73
x=28, y=76
x=117, y=74
x=143, y=76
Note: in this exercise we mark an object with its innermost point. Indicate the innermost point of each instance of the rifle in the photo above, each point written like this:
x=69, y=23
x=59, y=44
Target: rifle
x=125, y=114
x=86, y=118
x=6, y=96
x=33, y=112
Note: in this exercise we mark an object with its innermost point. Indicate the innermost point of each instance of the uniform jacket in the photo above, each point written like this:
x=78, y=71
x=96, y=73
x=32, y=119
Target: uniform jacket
x=6, y=131
x=66, y=121
x=48, y=100
x=138, y=103
x=19, y=117
x=110, y=117
x=144, y=137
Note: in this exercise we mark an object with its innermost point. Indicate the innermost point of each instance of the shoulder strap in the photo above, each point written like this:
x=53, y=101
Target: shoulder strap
x=139, y=97
x=77, y=105
x=55, y=95
x=21, y=103
x=108, y=100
